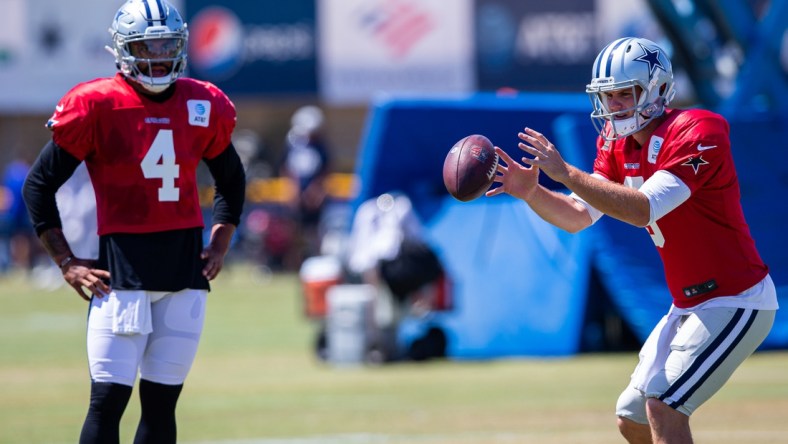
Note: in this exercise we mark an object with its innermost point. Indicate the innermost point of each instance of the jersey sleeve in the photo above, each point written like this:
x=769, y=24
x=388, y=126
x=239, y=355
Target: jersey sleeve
x=225, y=120
x=72, y=123
x=699, y=150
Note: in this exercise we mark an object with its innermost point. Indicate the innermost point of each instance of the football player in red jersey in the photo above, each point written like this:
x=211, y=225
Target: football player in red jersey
x=670, y=171
x=142, y=134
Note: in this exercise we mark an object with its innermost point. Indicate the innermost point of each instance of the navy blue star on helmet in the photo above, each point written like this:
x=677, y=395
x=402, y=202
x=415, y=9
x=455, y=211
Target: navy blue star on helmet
x=695, y=163
x=652, y=58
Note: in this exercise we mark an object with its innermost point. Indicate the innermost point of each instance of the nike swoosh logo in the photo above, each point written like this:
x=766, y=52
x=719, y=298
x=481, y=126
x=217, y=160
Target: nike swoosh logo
x=59, y=108
x=704, y=148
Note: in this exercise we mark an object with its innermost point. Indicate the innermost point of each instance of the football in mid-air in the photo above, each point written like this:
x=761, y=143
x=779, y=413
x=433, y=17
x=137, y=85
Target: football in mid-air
x=469, y=168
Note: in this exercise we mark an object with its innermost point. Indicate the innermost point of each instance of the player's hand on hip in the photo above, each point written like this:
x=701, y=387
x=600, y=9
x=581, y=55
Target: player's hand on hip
x=546, y=156
x=214, y=261
x=517, y=180
x=213, y=254
x=80, y=275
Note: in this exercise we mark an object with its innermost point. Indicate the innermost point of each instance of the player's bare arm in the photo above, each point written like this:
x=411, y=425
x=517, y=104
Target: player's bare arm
x=55, y=244
x=79, y=273
x=523, y=183
x=616, y=200
x=515, y=179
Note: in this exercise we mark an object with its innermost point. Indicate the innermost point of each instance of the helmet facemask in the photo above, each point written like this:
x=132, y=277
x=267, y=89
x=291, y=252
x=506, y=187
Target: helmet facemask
x=149, y=45
x=633, y=63
x=646, y=109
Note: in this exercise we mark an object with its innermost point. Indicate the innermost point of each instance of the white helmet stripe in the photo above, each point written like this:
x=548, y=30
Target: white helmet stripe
x=599, y=58
x=155, y=12
x=611, y=54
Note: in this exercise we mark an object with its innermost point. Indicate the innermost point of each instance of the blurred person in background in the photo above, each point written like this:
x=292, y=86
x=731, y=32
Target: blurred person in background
x=76, y=202
x=670, y=171
x=388, y=249
x=307, y=164
x=141, y=134
x=17, y=239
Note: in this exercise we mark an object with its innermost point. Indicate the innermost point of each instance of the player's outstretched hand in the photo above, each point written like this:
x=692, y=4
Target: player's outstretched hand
x=217, y=248
x=80, y=275
x=546, y=156
x=516, y=179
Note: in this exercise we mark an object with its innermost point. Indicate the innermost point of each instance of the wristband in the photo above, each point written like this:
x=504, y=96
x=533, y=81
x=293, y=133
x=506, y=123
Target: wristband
x=66, y=261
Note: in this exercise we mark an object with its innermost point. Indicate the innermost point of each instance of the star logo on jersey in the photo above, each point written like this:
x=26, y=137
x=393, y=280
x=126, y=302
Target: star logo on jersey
x=652, y=58
x=695, y=163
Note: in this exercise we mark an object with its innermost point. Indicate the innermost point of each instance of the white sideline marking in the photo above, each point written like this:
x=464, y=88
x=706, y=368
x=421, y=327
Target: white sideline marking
x=40, y=322
x=334, y=439
x=378, y=438
x=358, y=438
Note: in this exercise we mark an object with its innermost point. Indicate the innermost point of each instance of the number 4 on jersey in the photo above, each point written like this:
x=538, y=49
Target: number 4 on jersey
x=159, y=163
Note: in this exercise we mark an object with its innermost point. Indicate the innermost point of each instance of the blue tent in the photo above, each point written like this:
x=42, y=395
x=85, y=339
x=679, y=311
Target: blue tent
x=521, y=286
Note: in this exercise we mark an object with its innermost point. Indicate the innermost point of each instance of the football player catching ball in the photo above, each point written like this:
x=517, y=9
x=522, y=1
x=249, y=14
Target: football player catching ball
x=670, y=171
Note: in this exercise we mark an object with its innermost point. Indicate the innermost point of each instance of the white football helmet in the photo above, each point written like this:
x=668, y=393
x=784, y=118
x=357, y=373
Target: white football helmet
x=149, y=43
x=630, y=63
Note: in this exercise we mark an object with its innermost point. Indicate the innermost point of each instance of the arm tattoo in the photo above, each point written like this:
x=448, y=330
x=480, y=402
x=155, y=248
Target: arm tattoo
x=55, y=244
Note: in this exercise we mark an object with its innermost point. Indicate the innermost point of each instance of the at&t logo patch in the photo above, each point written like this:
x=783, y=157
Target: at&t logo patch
x=653, y=148
x=199, y=112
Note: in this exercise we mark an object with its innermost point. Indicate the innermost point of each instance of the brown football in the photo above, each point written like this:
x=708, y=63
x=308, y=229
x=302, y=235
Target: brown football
x=469, y=168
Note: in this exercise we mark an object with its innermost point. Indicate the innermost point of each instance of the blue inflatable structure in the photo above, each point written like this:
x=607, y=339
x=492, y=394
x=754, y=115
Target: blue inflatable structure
x=522, y=287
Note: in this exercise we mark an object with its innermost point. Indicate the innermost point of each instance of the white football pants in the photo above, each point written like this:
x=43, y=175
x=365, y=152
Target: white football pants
x=151, y=332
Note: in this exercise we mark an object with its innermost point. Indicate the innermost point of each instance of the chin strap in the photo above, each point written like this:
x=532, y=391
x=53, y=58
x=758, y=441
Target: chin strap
x=625, y=127
x=154, y=88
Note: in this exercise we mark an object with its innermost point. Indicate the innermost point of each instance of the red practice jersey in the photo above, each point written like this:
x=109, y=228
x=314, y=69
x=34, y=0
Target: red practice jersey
x=705, y=243
x=142, y=155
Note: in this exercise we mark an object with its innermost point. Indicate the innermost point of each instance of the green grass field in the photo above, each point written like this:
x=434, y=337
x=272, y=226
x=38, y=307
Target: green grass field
x=256, y=381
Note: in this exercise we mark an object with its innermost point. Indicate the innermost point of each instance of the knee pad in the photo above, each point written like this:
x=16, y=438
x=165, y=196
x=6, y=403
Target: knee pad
x=632, y=405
